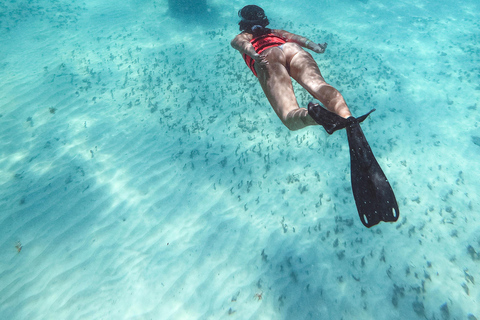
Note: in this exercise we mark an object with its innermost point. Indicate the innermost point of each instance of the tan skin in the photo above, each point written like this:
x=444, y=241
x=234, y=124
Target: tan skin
x=276, y=65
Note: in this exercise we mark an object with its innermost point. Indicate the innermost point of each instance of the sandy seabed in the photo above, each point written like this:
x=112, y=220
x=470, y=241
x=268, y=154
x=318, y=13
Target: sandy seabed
x=143, y=174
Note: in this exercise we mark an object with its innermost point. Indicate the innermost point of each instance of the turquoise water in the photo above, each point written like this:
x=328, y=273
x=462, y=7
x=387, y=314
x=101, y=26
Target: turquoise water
x=143, y=174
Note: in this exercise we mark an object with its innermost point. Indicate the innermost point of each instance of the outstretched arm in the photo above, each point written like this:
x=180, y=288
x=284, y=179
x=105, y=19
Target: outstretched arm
x=302, y=41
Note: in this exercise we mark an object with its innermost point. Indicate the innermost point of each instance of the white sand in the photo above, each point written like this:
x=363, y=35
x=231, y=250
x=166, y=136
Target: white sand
x=144, y=176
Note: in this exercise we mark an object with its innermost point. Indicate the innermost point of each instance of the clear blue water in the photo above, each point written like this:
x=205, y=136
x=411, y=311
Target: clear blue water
x=143, y=174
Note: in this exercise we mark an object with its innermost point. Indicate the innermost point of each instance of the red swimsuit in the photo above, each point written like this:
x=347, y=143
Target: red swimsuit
x=261, y=44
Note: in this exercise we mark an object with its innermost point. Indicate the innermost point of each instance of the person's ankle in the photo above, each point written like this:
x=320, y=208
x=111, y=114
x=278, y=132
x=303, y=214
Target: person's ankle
x=345, y=115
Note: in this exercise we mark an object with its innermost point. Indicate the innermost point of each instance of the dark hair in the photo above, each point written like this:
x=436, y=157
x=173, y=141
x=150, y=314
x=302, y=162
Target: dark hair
x=253, y=20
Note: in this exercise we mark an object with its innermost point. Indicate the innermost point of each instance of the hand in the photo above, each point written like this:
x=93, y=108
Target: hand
x=261, y=59
x=320, y=47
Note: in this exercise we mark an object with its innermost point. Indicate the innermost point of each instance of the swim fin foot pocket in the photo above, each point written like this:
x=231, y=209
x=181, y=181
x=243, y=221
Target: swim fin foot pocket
x=373, y=194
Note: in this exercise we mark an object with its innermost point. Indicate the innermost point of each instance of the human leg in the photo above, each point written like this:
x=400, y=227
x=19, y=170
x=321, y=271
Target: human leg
x=305, y=71
x=277, y=86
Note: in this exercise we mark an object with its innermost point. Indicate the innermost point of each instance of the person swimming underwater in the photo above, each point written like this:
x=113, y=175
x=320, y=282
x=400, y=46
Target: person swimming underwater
x=275, y=56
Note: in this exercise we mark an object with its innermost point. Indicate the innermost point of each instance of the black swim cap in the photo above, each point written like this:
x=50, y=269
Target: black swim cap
x=252, y=15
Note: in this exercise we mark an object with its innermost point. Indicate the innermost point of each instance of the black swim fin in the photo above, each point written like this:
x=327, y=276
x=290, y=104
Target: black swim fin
x=373, y=194
x=330, y=121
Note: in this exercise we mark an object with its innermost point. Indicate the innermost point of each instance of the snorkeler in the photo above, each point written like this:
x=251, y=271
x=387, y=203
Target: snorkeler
x=275, y=56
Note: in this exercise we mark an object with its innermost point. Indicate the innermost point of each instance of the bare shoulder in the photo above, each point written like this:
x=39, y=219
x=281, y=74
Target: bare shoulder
x=241, y=40
x=242, y=37
x=281, y=33
x=278, y=32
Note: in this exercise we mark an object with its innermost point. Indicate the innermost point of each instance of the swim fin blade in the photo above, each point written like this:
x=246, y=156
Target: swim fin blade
x=373, y=194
